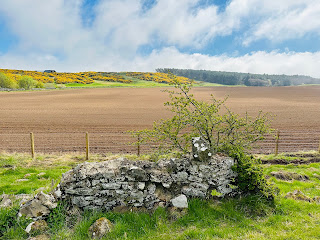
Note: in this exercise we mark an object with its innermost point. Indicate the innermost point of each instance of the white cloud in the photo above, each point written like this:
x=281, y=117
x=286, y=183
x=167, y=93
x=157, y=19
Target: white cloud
x=290, y=63
x=277, y=20
x=51, y=35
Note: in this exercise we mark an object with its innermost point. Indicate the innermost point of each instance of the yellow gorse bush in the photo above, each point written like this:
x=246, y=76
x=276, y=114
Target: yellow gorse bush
x=157, y=77
x=90, y=77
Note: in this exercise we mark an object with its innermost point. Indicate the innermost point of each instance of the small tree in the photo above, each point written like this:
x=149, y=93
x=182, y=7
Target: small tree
x=222, y=129
x=26, y=82
x=7, y=82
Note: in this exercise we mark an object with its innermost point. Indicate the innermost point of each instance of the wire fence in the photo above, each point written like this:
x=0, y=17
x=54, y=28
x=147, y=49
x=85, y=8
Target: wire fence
x=289, y=141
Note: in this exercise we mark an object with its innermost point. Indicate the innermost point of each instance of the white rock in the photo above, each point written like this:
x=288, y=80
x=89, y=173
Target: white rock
x=141, y=185
x=28, y=228
x=180, y=202
x=6, y=202
x=41, y=174
x=57, y=193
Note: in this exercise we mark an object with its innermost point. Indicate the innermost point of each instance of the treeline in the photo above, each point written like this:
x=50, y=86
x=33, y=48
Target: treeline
x=236, y=78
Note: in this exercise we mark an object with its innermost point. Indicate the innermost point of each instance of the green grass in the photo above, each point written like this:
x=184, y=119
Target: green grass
x=311, y=188
x=289, y=157
x=242, y=218
x=103, y=84
x=135, y=84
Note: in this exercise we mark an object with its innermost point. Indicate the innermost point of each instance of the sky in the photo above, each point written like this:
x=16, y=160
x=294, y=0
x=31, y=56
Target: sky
x=256, y=36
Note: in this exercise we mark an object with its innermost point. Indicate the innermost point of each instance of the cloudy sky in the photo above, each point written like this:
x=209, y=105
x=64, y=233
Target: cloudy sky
x=258, y=36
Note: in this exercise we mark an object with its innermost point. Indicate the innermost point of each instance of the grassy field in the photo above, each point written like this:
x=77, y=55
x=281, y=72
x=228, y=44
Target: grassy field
x=136, y=83
x=243, y=218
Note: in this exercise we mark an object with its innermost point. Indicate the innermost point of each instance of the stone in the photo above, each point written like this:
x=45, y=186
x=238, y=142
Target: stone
x=137, y=173
x=37, y=226
x=41, y=174
x=38, y=207
x=100, y=228
x=200, y=149
x=23, y=198
x=180, y=201
x=180, y=177
x=22, y=180
x=27, y=175
x=6, y=201
x=57, y=193
x=111, y=186
x=142, y=184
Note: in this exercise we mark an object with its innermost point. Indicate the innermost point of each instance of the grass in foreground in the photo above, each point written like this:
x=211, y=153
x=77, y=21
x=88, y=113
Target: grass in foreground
x=244, y=218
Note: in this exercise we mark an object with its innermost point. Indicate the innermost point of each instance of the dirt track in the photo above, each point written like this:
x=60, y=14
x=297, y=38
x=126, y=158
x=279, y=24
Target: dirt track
x=59, y=118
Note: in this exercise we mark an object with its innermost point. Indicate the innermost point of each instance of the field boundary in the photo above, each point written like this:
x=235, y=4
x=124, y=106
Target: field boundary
x=115, y=142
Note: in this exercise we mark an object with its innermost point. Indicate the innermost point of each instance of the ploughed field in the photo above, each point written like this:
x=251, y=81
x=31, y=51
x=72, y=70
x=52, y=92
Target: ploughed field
x=60, y=118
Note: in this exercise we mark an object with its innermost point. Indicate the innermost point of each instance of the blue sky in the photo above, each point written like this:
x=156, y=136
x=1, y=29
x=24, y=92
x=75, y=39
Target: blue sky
x=259, y=36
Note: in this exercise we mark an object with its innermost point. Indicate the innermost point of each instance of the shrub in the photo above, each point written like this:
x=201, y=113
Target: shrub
x=7, y=82
x=26, y=82
x=39, y=84
x=224, y=132
x=250, y=177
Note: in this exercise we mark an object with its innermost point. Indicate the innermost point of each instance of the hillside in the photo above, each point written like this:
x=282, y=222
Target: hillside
x=13, y=79
x=237, y=78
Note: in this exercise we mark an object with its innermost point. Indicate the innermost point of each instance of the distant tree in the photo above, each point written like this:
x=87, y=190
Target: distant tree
x=7, y=82
x=26, y=82
x=39, y=84
x=236, y=78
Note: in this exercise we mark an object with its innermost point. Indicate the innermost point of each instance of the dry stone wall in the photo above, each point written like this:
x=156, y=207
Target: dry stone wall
x=122, y=182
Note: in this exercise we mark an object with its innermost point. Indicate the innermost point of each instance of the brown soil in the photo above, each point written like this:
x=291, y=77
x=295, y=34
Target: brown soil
x=59, y=119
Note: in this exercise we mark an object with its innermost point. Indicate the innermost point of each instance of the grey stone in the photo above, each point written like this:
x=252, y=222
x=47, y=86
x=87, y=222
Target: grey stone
x=38, y=207
x=180, y=201
x=95, y=182
x=142, y=184
x=100, y=228
x=80, y=201
x=22, y=180
x=41, y=174
x=158, y=176
x=111, y=185
x=200, y=149
x=180, y=177
x=193, y=192
x=137, y=173
x=6, y=201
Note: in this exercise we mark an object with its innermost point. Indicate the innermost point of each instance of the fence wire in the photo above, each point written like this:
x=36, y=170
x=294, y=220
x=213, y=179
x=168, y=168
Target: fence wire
x=289, y=141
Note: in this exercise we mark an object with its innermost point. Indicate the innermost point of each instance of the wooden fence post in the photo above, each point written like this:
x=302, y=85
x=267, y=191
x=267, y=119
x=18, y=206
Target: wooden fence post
x=319, y=146
x=32, y=145
x=138, y=144
x=87, y=146
x=277, y=143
